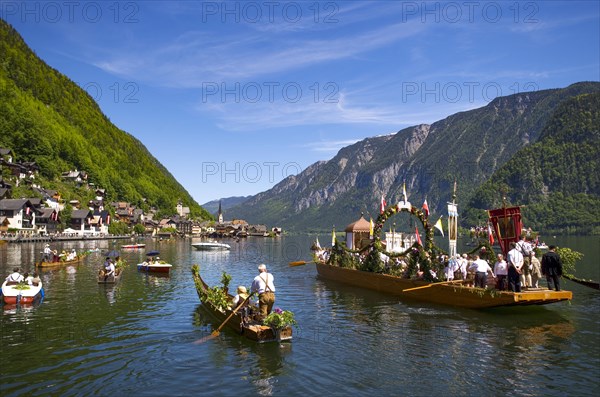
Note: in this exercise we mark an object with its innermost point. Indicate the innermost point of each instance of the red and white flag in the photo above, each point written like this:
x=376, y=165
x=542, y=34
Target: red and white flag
x=418, y=237
x=490, y=234
x=382, y=205
x=425, y=208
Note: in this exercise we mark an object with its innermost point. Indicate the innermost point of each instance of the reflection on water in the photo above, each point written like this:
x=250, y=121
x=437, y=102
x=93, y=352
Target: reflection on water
x=138, y=336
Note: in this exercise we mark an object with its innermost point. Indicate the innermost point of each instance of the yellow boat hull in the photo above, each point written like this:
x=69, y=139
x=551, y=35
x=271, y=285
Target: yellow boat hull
x=445, y=294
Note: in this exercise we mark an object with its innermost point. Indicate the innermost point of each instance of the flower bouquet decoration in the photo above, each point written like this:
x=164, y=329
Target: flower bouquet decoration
x=279, y=319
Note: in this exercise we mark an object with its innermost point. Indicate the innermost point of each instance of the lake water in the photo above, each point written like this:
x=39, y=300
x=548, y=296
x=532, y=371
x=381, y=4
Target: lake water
x=137, y=338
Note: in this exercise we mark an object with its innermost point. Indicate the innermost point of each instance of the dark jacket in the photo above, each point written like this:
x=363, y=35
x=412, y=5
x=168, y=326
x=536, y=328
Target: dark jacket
x=551, y=264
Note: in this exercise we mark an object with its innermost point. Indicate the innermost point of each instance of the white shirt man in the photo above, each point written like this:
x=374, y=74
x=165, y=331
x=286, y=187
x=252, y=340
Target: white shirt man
x=47, y=253
x=109, y=268
x=515, y=258
x=15, y=276
x=262, y=281
x=263, y=284
x=481, y=268
x=501, y=267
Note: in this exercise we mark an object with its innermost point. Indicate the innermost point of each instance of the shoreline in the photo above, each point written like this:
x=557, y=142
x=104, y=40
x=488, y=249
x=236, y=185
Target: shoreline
x=41, y=239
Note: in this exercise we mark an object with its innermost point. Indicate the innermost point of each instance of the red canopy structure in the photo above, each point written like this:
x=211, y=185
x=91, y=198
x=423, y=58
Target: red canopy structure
x=507, y=225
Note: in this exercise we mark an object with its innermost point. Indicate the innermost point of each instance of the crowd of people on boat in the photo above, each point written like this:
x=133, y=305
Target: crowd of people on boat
x=151, y=261
x=520, y=269
x=16, y=277
x=50, y=255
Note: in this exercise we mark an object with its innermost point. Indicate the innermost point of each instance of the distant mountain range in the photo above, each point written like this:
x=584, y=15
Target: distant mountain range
x=525, y=147
x=226, y=203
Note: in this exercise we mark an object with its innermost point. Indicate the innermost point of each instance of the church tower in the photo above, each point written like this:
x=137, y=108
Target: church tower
x=220, y=215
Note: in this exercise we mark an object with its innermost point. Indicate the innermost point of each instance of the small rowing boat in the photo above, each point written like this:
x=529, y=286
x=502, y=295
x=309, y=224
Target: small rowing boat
x=14, y=293
x=587, y=283
x=154, y=267
x=60, y=263
x=133, y=246
x=245, y=325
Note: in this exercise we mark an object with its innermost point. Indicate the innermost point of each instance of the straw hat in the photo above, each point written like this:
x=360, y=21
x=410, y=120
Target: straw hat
x=242, y=292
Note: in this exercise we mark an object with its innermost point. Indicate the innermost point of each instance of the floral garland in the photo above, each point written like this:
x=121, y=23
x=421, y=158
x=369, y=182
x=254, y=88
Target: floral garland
x=420, y=257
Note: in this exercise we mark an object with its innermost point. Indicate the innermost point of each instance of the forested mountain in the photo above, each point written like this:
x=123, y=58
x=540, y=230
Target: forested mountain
x=48, y=119
x=468, y=147
x=558, y=177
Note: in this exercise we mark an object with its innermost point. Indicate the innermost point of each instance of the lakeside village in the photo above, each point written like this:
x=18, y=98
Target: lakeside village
x=39, y=219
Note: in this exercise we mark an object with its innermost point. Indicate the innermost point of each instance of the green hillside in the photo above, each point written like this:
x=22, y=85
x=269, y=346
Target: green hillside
x=47, y=118
x=558, y=177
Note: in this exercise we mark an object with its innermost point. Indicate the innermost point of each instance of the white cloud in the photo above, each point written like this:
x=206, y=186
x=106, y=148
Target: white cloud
x=196, y=57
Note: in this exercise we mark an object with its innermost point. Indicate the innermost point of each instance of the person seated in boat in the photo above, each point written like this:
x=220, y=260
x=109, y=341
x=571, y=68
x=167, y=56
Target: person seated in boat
x=157, y=261
x=55, y=256
x=27, y=278
x=15, y=277
x=481, y=268
x=71, y=255
x=242, y=294
x=109, y=270
x=105, y=268
x=501, y=271
x=35, y=280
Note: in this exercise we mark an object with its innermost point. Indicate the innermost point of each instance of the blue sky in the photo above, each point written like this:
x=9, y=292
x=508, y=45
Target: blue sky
x=232, y=97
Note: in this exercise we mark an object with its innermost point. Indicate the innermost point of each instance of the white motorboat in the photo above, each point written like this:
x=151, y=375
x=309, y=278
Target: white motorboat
x=210, y=246
x=21, y=293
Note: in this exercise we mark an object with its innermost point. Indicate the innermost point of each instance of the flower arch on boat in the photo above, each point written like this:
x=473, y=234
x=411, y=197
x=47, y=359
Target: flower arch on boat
x=393, y=210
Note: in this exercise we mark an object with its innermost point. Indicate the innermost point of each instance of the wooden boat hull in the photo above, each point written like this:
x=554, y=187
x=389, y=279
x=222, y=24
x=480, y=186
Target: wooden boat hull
x=12, y=296
x=445, y=294
x=160, y=268
x=587, y=283
x=253, y=331
x=59, y=263
x=133, y=246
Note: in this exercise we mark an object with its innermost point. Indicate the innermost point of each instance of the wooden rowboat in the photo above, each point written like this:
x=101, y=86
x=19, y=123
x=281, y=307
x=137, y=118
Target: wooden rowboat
x=19, y=294
x=453, y=294
x=60, y=263
x=249, y=328
x=587, y=283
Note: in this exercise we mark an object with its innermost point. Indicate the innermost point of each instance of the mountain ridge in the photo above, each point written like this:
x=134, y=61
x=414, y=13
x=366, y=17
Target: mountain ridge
x=467, y=146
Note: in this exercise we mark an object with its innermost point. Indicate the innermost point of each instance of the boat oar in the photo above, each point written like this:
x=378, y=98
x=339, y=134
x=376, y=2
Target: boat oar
x=216, y=332
x=298, y=263
x=431, y=285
